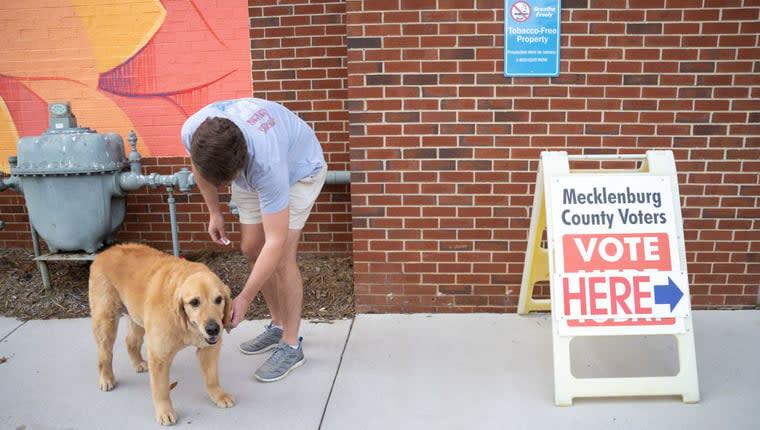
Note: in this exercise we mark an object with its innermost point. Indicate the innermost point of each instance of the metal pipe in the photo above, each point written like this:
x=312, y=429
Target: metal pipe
x=41, y=265
x=134, y=179
x=135, y=161
x=184, y=180
x=339, y=177
x=173, y=220
x=3, y=185
x=12, y=182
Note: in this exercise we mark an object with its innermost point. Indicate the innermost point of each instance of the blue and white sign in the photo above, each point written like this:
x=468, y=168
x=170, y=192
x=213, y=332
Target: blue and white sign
x=531, y=37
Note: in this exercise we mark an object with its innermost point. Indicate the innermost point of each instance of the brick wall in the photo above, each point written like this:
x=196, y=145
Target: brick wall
x=298, y=50
x=410, y=96
x=444, y=148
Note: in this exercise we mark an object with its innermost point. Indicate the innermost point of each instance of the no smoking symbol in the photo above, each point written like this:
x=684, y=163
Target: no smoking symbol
x=520, y=11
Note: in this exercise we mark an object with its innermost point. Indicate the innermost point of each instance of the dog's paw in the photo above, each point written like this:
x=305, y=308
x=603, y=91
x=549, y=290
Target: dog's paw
x=141, y=367
x=166, y=416
x=106, y=383
x=224, y=400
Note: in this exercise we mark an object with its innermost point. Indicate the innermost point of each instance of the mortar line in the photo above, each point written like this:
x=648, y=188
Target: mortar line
x=337, y=370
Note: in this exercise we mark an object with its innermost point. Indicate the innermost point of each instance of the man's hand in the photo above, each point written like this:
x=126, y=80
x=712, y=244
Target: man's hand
x=210, y=195
x=239, y=308
x=216, y=229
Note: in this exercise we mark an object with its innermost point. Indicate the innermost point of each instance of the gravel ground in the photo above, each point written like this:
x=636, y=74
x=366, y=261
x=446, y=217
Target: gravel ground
x=328, y=285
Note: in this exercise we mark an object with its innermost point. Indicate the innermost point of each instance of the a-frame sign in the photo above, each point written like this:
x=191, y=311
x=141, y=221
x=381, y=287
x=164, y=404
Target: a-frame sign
x=616, y=264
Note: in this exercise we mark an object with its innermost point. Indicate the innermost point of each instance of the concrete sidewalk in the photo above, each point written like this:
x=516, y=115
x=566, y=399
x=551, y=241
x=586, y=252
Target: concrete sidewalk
x=461, y=371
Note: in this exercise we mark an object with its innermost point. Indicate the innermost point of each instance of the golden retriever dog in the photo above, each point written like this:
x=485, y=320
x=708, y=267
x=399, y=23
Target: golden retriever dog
x=174, y=303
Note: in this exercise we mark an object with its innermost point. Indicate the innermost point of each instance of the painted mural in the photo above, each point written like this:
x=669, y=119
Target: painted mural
x=142, y=65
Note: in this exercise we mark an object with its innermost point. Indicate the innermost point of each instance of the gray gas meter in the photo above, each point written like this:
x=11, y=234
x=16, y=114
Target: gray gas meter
x=75, y=181
x=68, y=178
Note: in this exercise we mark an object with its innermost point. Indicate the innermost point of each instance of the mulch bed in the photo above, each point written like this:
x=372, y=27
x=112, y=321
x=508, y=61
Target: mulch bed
x=328, y=285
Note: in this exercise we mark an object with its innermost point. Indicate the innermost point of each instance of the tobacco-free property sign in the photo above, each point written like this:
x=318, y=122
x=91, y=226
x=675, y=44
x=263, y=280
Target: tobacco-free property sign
x=531, y=37
x=617, y=258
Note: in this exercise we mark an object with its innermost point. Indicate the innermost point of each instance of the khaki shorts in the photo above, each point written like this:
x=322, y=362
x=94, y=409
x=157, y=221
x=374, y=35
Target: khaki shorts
x=303, y=194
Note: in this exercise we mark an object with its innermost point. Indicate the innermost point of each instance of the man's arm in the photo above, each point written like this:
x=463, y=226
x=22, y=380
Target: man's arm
x=276, y=234
x=211, y=198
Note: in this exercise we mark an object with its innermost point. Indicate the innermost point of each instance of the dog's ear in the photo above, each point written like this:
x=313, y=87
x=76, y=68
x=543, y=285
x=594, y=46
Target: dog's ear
x=180, y=310
x=227, y=306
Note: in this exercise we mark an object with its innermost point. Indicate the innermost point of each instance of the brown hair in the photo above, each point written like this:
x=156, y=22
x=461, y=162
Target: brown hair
x=218, y=150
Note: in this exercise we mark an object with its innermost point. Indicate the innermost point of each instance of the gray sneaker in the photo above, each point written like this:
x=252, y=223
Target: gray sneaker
x=283, y=360
x=263, y=342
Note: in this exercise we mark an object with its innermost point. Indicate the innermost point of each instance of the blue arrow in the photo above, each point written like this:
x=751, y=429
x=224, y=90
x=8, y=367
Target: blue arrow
x=668, y=294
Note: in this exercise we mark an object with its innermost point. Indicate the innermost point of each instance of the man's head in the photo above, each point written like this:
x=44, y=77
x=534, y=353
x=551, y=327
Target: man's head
x=218, y=150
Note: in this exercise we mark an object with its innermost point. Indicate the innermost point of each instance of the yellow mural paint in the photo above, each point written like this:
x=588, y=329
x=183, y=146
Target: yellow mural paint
x=92, y=108
x=80, y=51
x=118, y=29
x=43, y=39
x=8, y=136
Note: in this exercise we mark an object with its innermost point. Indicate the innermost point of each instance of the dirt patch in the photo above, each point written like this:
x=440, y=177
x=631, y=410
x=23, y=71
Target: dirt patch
x=328, y=285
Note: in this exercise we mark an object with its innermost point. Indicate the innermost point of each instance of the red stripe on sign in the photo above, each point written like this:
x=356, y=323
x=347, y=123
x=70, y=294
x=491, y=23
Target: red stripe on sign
x=624, y=323
x=640, y=251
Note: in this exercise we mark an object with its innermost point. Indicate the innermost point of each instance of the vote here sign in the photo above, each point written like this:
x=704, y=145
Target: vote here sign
x=617, y=244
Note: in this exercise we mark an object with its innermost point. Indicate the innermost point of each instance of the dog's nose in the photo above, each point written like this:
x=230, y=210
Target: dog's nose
x=212, y=328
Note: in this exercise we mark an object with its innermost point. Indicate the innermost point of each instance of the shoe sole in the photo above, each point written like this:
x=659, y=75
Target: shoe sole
x=261, y=351
x=294, y=366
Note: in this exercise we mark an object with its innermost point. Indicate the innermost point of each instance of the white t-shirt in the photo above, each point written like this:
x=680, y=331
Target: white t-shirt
x=282, y=148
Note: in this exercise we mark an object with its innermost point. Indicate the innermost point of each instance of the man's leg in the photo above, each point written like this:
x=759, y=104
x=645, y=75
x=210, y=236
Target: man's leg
x=289, y=289
x=289, y=283
x=288, y=355
x=252, y=240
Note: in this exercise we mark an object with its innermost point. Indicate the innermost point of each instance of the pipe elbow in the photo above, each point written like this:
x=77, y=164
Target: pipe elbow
x=12, y=183
x=129, y=181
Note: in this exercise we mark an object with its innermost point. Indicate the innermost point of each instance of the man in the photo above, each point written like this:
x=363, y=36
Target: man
x=276, y=167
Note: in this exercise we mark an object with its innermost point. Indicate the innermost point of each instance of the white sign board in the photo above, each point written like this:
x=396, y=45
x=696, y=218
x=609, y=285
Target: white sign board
x=616, y=263
x=616, y=247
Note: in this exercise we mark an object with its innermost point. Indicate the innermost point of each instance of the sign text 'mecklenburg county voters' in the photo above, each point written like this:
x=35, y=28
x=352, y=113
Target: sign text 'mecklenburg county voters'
x=609, y=217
